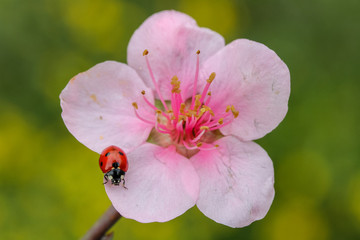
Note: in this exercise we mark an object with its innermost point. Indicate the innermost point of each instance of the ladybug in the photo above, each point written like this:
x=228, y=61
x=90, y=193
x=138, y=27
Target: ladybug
x=114, y=164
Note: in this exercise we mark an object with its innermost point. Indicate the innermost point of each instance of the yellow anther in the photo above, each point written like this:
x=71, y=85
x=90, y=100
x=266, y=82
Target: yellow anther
x=174, y=79
x=169, y=111
x=234, y=112
x=199, y=144
x=192, y=112
x=209, y=110
x=198, y=52
x=135, y=105
x=204, y=128
x=146, y=52
x=181, y=117
x=221, y=121
x=176, y=90
x=209, y=93
x=176, y=84
x=143, y=92
x=216, y=145
x=228, y=108
x=202, y=111
x=182, y=108
x=211, y=78
x=158, y=111
x=197, y=102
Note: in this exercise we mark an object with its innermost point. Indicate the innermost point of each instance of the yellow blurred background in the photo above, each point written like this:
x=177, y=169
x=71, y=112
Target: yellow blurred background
x=50, y=185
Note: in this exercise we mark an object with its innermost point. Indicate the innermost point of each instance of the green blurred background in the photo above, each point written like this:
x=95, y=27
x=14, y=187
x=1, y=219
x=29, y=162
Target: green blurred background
x=51, y=184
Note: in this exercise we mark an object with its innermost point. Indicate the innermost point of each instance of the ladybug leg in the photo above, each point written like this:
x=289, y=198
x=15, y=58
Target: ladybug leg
x=123, y=181
x=106, y=179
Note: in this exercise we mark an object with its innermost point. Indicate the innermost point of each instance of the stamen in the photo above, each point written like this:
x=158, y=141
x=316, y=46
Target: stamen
x=197, y=102
x=208, y=98
x=188, y=147
x=135, y=105
x=196, y=78
x=145, y=53
x=198, y=136
x=220, y=125
x=182, y=108
x=138, y=116
x=234, y=112
x=228, y=108
x=209, y=110
x=176, y=84
x=202, y=111
x=208, y=82
x=204, y=128
x=158, y=125
x=207, y=147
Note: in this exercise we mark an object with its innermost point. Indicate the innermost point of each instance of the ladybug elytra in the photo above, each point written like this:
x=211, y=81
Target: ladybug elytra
x=113, y=163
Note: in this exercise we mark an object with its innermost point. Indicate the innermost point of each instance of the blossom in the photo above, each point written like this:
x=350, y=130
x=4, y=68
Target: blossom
x=193, y=145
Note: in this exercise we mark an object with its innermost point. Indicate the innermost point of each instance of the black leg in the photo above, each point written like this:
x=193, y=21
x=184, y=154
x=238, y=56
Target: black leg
x=106, y=179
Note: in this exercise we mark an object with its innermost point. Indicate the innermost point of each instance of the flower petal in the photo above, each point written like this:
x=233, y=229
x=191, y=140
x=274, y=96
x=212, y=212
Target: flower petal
x=236, y=182
x=172, y=39
x=253, y=79
x=162, y=185
x=97, y=107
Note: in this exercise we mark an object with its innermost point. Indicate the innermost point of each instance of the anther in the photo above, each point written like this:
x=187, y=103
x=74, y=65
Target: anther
x=198, y=52
x=221, y=121
x=146, y=52
x=228, y=108
x=143, y=92
x=135, y=105
x=204, y=128
x=199, y=144
x=209, y=109
x=197, y=102
x=211, y=77
x=176, y=84
x=234, y=112
x=182, y=108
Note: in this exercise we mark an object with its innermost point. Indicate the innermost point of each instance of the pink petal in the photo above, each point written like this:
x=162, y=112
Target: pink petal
x=97, y=107
x=256, y=81
x=162, y=185
x=236, y=182
x=172, y=39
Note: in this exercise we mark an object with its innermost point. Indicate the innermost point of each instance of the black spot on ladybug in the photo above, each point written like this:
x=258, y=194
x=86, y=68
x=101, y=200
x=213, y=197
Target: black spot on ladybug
x=101, y=163
x=121, y=153
x=107, y=154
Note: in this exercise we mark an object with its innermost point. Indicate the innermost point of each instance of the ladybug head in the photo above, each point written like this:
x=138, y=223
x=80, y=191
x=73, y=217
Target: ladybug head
x=115, y=175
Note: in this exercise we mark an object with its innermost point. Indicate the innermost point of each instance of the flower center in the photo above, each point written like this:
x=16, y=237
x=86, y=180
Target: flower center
x=187, y=123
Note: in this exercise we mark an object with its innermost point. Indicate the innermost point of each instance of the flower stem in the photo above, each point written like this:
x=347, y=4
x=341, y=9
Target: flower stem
x=102, y=225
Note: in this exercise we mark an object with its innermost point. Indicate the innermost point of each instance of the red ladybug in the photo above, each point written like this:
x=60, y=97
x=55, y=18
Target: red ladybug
x=113, y=162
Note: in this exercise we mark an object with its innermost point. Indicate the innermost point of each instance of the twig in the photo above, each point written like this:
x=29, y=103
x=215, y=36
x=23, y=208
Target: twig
x=101, y=226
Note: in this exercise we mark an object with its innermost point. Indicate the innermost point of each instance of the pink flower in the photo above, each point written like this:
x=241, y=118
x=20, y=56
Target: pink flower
x=192, y=146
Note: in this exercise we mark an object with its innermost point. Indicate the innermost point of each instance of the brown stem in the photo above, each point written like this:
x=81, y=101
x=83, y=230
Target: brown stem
x=101, y=226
